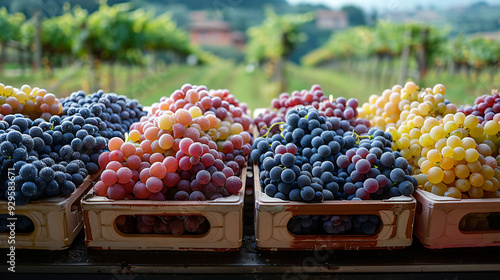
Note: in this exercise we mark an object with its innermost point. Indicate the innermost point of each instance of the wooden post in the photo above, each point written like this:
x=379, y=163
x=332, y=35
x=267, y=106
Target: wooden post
x=111, y=78
x=422, y=53
x=3, y=56
x=37, y=63
x=493, y=71
x=405, y=57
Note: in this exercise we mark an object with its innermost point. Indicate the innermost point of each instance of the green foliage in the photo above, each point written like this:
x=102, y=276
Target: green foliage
x=384, y=39
x=10, y=26
x=483, y=52
x=161, y=33
x=355, y=15
x=276, y=37
x=356, y=41
x=58, y=34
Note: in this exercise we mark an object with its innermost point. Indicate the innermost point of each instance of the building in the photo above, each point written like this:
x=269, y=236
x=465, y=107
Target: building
x=331, y=20
x=206, y=32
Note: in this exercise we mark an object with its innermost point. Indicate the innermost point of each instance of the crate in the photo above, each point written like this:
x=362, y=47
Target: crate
x=223, y=214
x=57, y=220
x=437, y=221
x=272, y=216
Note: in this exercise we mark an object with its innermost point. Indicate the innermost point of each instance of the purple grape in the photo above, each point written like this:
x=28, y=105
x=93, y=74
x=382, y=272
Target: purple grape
x=370, y=185
x=363, y=166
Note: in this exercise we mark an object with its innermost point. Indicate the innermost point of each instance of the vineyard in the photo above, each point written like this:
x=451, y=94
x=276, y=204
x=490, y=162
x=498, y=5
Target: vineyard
x=408, y=50
x=118, y=48
x=110, y=36
x=120, y=131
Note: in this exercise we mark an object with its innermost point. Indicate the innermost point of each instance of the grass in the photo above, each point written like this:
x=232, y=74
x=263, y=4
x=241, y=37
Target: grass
x=253, y=88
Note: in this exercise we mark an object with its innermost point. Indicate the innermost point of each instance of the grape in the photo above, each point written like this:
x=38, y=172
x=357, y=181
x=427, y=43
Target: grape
x=343, y=161
x=203, y=177
x=406, y=188
x=363, y=166
x=371, y=185
x=108, y=177
x=288, y=160
x=307, y=193
x=158, y=170
x=397, y=175
x=218, y=178
x=28, y=172
x=288, y=176
x=233, y=184
x=116, y=192
x=68, y=187
x=197, y=196
x=124, y=175
x=271, y=190
x=29, y=189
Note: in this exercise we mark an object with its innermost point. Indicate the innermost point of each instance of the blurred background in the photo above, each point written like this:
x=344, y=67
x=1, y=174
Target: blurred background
x=257, y=49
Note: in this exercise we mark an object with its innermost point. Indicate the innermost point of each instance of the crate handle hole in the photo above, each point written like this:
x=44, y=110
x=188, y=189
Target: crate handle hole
x=480, y=222
x=160, y=225
x=21, y=224
x=365, y=225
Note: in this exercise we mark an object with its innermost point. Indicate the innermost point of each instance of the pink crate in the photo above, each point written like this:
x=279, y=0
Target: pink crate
x=437, y=221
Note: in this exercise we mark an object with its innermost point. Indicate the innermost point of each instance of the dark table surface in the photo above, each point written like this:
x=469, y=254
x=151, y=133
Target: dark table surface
x=252, y=263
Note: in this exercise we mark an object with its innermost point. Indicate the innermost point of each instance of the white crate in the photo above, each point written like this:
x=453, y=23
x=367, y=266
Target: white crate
x=57, y=220
x=437, y=221
x=224, y=215
x=272, y=216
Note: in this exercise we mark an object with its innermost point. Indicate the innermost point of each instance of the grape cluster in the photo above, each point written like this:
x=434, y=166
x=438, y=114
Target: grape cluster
x=319, y=158
x=175, y=225
x=333, y=224
x=457, y=161
x=487, y=110
x=112, y=114
x=195, y=152
x=23, y=224
x=32, y=102
x=340, y=107
x=48, y=158
x=450, y=153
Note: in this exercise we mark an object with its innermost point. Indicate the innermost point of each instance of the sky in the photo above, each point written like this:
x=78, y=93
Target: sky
x=394, y=5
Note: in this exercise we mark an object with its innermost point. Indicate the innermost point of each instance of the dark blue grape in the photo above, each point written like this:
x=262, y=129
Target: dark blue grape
x=387, y=159
x=401, y=162
x=275, y=173
x=406, y=188
x=295, y=195
x=280, y=196
x=288, y=160
x=271, y=190
x=307, y=193
x=288, y=176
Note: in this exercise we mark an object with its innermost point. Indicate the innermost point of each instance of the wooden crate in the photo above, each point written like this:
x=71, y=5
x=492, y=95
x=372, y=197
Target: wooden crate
x=57, y=220
x=272, y=216
x=223, y=214
x=437, y=221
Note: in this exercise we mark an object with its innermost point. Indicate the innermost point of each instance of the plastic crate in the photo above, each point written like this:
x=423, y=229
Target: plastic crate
x=272, y=216
x=57, y=220
x=223, y=214
x=437, y=221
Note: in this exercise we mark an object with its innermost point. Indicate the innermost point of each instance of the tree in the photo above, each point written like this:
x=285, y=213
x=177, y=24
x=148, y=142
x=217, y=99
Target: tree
x=273, y=41
x=10, y=26
x=355, y=15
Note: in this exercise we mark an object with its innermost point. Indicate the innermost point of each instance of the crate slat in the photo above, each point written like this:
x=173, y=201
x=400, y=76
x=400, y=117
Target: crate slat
x=57, y=220
x=272, y=216
x=437, y=221
x=224, y=215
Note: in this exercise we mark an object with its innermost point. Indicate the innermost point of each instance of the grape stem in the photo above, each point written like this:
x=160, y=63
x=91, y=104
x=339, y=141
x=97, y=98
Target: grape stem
x=359, y=137
x=265, y=135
